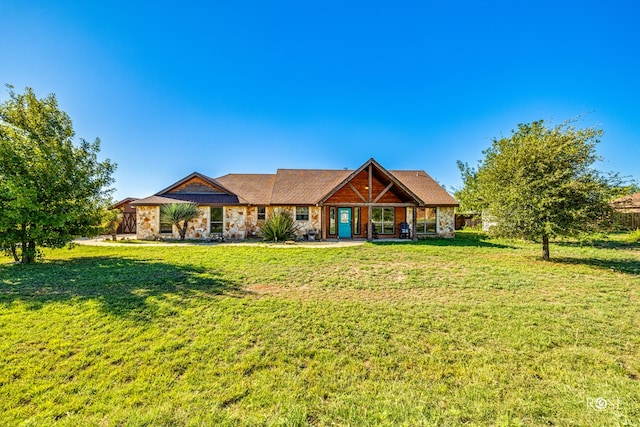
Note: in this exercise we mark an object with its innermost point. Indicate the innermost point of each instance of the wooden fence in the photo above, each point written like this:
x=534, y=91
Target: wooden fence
x=627, y=221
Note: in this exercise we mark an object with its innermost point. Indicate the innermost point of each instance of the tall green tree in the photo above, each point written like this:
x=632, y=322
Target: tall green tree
x=179, y=214
x=540, y=183
x=51, y=190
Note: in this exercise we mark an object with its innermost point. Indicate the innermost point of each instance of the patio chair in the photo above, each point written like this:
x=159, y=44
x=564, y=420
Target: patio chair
x=403, y=230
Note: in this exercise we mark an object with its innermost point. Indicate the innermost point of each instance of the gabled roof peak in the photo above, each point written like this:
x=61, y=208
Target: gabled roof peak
x=194, y=175
x=374, y=164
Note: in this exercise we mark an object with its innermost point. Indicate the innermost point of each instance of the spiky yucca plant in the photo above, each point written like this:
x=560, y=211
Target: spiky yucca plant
x=279, y=227
x=179, y=214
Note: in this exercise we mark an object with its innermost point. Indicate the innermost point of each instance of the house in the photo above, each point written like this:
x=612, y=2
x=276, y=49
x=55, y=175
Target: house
x=628, y=211
x=628, y=204
x=366, y=203
x=128, y=224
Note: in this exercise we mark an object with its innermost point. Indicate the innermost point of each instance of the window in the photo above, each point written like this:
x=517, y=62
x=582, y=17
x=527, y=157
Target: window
x=216, y=220
x=383, y=219
x=332, y=220
x=165, y=226
x=425, y=220
x=356, y=220
x=302, y=213
x=262, y=213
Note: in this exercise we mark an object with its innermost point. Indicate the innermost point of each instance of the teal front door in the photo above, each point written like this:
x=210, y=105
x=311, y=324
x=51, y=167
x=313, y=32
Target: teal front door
x=344, y=223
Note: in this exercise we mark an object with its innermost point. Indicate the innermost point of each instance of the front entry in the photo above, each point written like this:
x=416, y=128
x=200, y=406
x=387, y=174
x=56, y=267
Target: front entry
x=344, y=223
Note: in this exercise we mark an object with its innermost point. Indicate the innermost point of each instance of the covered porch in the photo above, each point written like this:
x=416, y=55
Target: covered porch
x=370, y=203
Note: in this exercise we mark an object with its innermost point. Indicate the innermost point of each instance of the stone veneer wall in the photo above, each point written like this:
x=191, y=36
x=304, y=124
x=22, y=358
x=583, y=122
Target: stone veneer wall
x=314, y=222
x=235, y=222
x=446, y=222
x=251, y=226
x=197, y=228
x=240, y=222
x=251, y=222
x=147, y=222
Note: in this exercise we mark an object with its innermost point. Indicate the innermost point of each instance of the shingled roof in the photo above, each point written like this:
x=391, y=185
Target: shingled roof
x=425, y=187
x=197, y=188
x=253, y=189
x=298, y=187
x=305, y=186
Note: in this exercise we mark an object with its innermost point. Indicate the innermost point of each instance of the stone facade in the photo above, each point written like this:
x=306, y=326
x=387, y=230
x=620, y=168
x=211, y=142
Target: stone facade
x=251, y=223
x=199, y=227
x=148, y=222
x=242, y=222
x=446, y=222
x=313, y=224
x=235, y=222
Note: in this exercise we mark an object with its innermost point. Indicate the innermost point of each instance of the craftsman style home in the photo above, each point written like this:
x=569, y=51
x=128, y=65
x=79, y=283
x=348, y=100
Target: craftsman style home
x=367, y=203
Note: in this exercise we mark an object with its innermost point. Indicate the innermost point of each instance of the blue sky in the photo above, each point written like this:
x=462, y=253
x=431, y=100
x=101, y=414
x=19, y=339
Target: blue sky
x=220, y=87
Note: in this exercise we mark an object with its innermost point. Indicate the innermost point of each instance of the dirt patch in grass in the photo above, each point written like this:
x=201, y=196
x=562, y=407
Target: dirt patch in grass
x=265, y=289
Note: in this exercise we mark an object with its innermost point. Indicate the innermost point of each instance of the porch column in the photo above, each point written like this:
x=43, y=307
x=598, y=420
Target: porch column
x=323, y=223
x=414, y=214
x=369, y=208
x=369, y=227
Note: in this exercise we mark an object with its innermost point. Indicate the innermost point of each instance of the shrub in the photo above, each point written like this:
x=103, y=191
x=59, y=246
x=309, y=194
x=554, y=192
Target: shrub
x=279, y=227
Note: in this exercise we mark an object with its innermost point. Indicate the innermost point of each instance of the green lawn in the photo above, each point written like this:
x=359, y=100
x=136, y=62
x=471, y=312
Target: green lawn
x=462, y=332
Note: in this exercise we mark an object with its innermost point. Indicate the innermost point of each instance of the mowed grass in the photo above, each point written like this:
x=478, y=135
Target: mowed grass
x=468, y=331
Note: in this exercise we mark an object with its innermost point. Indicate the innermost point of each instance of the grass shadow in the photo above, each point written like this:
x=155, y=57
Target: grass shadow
x=461, y=239
x=125, y=287
x=626, y=266
x=601, y=244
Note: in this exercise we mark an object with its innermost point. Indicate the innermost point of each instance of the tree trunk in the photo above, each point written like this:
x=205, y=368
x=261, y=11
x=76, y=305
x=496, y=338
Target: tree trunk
x=24, y=245
x=545, y=248
x=29, y=252
x=183, y=230
x=14, y=253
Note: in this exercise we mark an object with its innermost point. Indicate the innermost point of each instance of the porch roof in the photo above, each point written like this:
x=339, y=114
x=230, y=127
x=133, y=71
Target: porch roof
x=123, y=202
